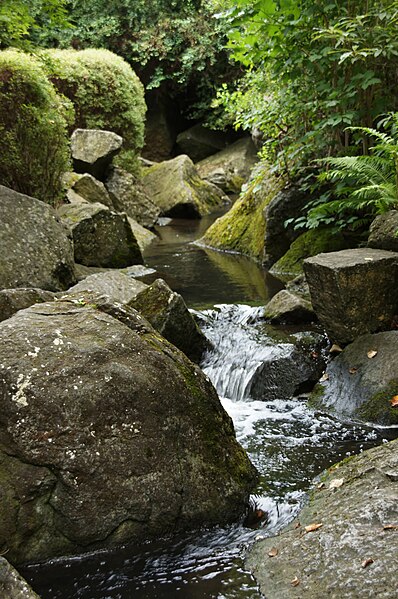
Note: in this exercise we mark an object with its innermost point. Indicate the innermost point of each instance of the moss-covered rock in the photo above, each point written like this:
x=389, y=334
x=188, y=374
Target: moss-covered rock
x=242, y=229
x=105, y=92
x=33, y=128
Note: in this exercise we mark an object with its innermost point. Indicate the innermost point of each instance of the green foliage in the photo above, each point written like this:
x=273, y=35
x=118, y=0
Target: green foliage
x=105, y=92
x=35, y=150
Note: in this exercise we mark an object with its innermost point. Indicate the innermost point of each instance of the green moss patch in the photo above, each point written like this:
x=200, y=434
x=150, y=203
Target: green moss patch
x=379, y=409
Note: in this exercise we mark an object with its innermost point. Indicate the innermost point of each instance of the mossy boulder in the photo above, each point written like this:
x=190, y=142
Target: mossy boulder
x=115, y=285
x=33, y=128
x=105, y=92
x=198, y=142
x=176, y=188
x=93, y=151
x=88, y=188
x=383, y=233
x=242, y=229
x=289, y=308
x=110, y=432
x=12, y=300
x=362, y=381
x=12, y=585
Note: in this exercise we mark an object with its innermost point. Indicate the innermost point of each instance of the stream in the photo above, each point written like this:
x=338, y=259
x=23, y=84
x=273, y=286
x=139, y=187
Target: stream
x=288, y=442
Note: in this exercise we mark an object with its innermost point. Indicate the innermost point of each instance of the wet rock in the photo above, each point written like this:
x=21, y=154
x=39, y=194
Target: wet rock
x=35, y=247
x=128, y=195
x=230, y=168
x=115, y=285
x=353, y=553
x=12, y=585
x=286, y=307
x=93, y=151
x=101, y=237
x=168, y=314
x=91, y=190
x=12, y=300
x=362, y=380
x=198, y=142
x=110, y=431
x=353, y=291
x=176, y=188
x=383, y=232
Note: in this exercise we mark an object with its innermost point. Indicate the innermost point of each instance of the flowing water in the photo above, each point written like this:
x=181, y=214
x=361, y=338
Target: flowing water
x=287, y=442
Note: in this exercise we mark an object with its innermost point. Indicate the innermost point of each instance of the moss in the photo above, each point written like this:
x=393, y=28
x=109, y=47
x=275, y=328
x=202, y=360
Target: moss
x=378, y=408
x=105, y=92
x=33, y=128
x=315, y=400
x=242, y=229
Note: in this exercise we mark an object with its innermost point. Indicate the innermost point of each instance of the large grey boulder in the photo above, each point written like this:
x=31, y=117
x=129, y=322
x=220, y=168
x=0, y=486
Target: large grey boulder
x=144, y=236
x=362, y=381
x=35, y=247
x=353, y=551
x=289, y=308
x=108, y=434
x=12, y=300
x=384, y=232
x=176, y=188
x=353, y=292
x=230, y=168
x=90, y=189
x=101, y=237
x=93, y=151
x=115, y=285
x=198, y=142
x=12, y=585
x=168, y=314
x=128, y=195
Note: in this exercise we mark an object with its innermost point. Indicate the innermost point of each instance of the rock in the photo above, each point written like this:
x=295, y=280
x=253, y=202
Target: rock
x=91, y=190
x=116, y=286
x=73, y=198
x=168, y=314
x=112, y=434
x=12, y=585
x=308, y=244
x=129, y=196
x=299, y=286
x=352, y=554
x=176, y=188
x=286, y=307
x=36, y=250
x=286, y=204
x=137, y=271
x=231, y=167
x=144, y=236
x=160, y=127
x=198, y=142
x=353, y=292
x=12, y=300
x=101, y=237
x=362, y=380
x=383, y=232
x=93, y=151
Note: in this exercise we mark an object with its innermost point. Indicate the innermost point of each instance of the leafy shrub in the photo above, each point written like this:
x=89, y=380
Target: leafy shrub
x=105, y=92
x=33, y=123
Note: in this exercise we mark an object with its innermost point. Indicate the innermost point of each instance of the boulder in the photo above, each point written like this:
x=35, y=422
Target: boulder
x=93, y=151
x=286, y=307
x=384, y=232
x=353, y=292
x=91, y=190
x=137, y=271
x=108, y=434
x=353, y=552
x=12, y=300
x=12, y=585
x=230, y=168
x=168, y=314
x=176, y=188
x=198, y=142
x=161, y=124
x=101, y=237
x=115, y=285
x=299, y=286
x=144, y=236
x=362, y=380
x=128, y=195
x=35, y=247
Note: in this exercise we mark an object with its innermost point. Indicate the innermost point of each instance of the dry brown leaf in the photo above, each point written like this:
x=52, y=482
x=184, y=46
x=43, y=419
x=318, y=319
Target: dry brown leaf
x=324, y=377
x=371, y=353
x=335, y=348
x=273, y=552
x=297, y=525
x=295, y=582
x=314, y=526
x=320, y=485
x=390, y=527
x=367, y=562
x=336, y=483
x=394, y=401
x=353, y=370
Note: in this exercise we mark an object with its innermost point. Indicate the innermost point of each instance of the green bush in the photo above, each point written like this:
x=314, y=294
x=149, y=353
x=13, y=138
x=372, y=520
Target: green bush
x=33, y=128
x=105, y=92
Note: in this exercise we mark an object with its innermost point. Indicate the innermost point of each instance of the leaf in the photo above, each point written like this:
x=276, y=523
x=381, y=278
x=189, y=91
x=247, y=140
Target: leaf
x=295, y=582
x=313, y=527
x=394, y=401
x=390, y=527
x=371, y=353
x=336, y=483
x=335, y=349
x=353, y=370
x=324, y=377
x=273, y=552
x=367, y=562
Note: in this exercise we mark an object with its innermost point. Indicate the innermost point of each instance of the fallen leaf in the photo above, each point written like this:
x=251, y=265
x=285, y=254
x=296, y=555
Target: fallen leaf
x=353, y=370
x=295, y=582
x=297, y=525
x=394, y=401
x=312, y=527
x=324, y=377
x=321, y=485
x=390, y=527
x=273, y=552
x=367, y=562
x=314, y=355
x=335, y=348
x=371, y=353
x=336, y=483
